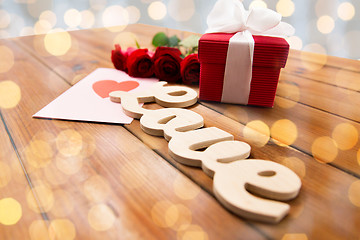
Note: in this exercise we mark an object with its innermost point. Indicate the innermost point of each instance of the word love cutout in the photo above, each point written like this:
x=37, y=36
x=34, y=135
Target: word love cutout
x=252, y=188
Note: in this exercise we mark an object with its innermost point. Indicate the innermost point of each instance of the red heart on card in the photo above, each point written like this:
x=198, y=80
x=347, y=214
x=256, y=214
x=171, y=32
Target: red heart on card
x=104, y=87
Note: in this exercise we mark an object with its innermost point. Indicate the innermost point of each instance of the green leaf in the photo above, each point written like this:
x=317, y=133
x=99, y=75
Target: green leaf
x=190, y=42
x=160, y=39
x=137, y=44
x=174, y=41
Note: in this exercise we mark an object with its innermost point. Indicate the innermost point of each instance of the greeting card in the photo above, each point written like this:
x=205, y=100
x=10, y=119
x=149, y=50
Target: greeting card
x=88, y=100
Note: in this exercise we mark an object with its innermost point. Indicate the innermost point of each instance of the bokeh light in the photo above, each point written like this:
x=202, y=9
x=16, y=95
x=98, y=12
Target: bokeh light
x=6, y=59
x=96, y=189
x=295, y=236
x=157, y=10
x=325, y=24
x=49, y=16
x=69, y=142
x=335, y=18
x=88, y=144
x=10, y=211
x=57, y=42
x=288, y=91
x=69, y=165
x=324, y=149
x=42, y=27
x=38, y=230
x=354, y=193
x=4, y=18
x=41, y=149
x=295, y=42
x=346, y=11
x=184, y=188
x=284, y=131
x=25, y=31
x=157, y=213
x=10, y=93
x=126, y=39
x=257, y=132
x=345, y=135
x=181, y=11
x=34, y=160
x=178, y=217
x=72, y=18
x=285, y=7
x=62, y=229
x=165, y=214
x=101, y=217
x=134, y=14
x=115, y=15
x=192, y=232
x=87, y=19
x=44, y=195
x=310, y=62
x=257, y=4
x=5, y=174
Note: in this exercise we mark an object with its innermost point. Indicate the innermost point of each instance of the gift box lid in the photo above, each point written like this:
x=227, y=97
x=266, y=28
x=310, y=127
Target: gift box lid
x=268, y=52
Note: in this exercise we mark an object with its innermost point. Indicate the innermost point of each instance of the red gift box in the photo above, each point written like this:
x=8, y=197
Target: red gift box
x=270, y=55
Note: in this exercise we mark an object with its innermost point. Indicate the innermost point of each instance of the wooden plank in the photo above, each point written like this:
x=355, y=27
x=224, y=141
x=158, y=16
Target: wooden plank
x=328, y=69
x=97, y=181
x=298, y=90
x=316, y=200
x=307, y=127
x=322, y=184
x=18, y=215
x=326, y=97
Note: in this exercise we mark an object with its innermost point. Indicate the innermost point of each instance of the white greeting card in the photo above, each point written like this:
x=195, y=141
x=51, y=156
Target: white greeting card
x=88, y=100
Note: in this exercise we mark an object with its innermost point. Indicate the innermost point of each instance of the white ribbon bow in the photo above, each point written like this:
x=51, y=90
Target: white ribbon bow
x=230, y=16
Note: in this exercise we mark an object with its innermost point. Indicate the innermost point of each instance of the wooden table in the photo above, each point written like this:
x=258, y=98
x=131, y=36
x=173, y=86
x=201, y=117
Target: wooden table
x=77, y=180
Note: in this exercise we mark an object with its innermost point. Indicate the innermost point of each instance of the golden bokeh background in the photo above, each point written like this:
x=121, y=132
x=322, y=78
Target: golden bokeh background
x=324, y=26
x=327, y=27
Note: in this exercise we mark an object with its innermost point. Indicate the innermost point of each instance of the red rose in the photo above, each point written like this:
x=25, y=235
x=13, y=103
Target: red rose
x=139, y=63
x=190, y=69
x=167, y=64
x=118, y=58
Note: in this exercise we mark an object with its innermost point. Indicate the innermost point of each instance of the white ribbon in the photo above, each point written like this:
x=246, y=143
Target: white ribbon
x=239, y=61
x=230, y=16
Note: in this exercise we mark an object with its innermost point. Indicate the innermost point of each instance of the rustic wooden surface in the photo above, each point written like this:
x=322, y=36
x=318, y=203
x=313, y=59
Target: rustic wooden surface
x=76, y=180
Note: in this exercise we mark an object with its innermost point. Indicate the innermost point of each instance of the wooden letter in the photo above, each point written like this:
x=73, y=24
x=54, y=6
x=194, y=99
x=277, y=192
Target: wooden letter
x=223, y=152
x=233, y=187
x=169, y=121
x=166, y=96
x=183, y=146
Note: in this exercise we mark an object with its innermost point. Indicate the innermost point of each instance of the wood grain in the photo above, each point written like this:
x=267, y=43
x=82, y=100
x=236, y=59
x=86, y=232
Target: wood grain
x=311, y=100
x=97, y=181
x=324, y=197
x=19, y=217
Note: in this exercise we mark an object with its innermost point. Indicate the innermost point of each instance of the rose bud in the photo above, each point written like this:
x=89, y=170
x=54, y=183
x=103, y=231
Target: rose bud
x=118, y=58
x=167, y=64
x=140, y=64
x=190, y=69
